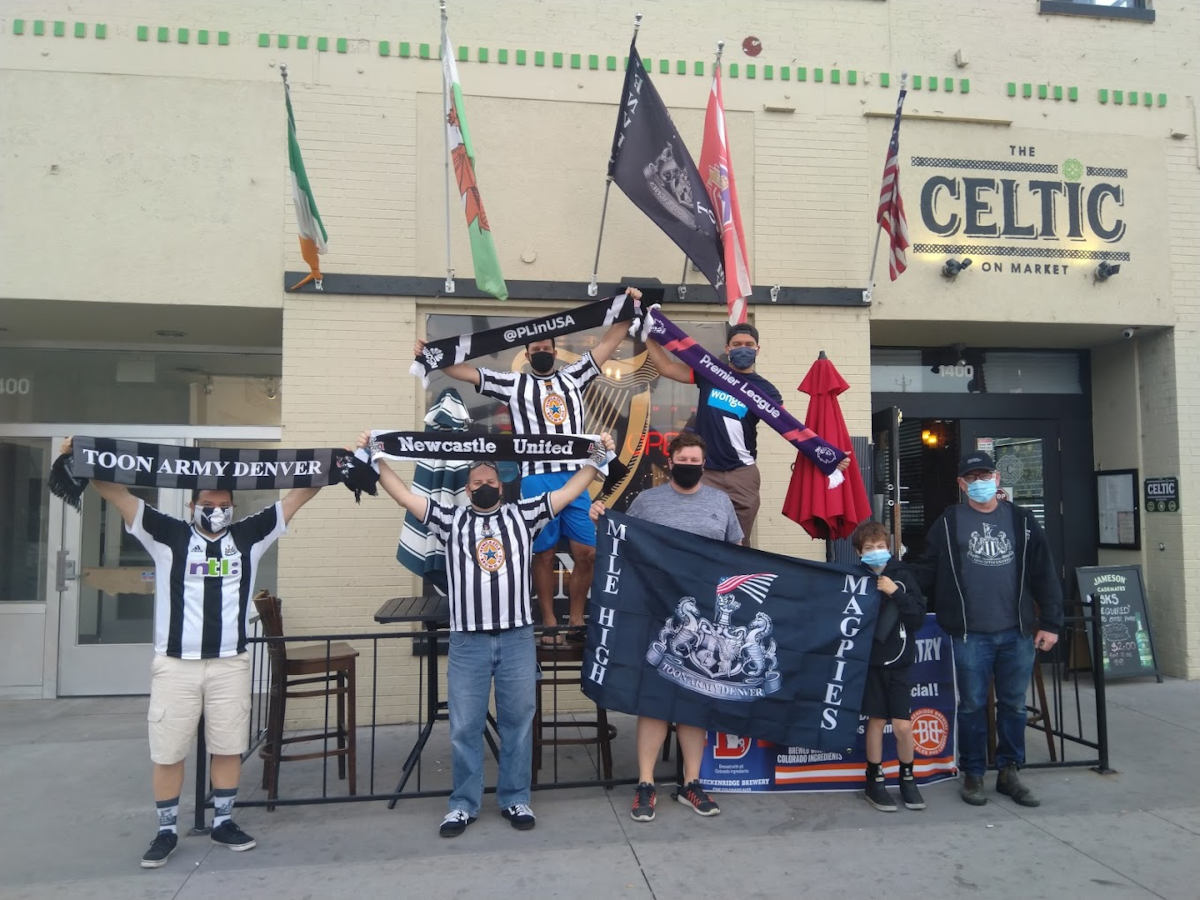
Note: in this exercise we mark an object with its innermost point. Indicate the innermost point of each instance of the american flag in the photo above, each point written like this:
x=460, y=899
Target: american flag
x=891, y=206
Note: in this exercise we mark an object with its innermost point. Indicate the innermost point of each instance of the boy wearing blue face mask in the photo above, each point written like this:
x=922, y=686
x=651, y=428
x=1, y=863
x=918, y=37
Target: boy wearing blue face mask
x=888, y=691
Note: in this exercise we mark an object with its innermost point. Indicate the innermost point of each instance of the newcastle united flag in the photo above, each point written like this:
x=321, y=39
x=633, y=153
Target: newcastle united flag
x=652, y=166
x=687, y=629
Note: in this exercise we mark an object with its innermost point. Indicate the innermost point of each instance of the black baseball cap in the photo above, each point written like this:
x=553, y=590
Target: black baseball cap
x=976, y=462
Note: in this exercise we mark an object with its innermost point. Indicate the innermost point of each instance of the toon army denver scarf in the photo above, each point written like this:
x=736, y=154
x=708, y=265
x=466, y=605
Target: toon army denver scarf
x=454, y=350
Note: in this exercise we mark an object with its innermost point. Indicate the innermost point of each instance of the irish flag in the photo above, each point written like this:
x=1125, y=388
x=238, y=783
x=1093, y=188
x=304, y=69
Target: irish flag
x=462, y=154
x=308, y=220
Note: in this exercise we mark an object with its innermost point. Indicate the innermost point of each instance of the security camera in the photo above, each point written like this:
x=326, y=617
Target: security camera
x=1128, y=333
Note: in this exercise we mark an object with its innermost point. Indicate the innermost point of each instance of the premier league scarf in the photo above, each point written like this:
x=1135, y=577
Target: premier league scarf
x=795, y=432
x=454, y=350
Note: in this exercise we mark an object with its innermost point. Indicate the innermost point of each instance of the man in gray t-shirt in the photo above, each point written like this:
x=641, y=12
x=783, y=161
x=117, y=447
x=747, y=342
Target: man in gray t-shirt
x=689, y=506
x=989, y=568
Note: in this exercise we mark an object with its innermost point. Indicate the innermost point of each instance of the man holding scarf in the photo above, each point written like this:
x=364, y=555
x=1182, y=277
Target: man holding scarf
x=204, y=577
x=488, y=547
x=550, y=401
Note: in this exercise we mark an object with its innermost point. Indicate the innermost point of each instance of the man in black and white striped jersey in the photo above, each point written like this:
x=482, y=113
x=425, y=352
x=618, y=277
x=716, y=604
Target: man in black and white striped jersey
x=204, y=573
x=488, y=553
x=550, y=401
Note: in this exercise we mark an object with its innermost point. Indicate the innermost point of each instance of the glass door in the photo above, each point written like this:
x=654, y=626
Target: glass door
x=104, y=581
x=885, y=492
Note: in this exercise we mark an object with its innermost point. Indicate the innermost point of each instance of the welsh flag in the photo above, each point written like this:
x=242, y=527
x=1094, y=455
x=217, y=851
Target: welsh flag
x=462, y=154
x=716, y=169
x=308, y=220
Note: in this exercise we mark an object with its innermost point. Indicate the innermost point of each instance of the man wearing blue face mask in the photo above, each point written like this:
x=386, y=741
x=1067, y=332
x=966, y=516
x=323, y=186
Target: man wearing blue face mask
x=996, y=592
x=729, y=427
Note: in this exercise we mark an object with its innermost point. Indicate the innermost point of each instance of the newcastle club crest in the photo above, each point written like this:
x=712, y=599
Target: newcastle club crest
x=720, y=659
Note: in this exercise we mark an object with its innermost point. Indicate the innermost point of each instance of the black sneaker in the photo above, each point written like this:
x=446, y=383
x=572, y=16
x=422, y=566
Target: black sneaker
x=227, y=834
x=161, y=848
x=972, y=790
x=878, y=795
x=910, y=795
x=455, y=823
x=645, y=798
x=1008, y=783
x=694, y=796
x=520, y=816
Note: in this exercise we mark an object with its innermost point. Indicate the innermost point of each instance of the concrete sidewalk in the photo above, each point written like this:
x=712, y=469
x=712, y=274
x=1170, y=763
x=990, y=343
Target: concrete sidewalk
x=74, y=777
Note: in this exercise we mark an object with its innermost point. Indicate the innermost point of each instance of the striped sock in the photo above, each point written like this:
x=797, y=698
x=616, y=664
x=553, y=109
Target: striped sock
x=168, y=815
x=223, y=805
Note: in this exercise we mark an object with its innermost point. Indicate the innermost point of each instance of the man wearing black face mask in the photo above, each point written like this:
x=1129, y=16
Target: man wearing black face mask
x=686, y=504
x=488, y=547
x=550, y=401
x=204, y=577
x=729, y=427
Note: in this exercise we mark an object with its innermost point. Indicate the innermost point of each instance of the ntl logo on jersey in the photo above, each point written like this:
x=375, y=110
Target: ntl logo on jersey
x=215, y=568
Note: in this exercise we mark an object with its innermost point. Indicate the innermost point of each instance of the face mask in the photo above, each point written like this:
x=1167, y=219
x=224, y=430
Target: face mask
x=485, y=496
x=982, y=491
x=742, y=357
x=542, y=362
x=686, y=476
x=877, y=557
x=212, y=520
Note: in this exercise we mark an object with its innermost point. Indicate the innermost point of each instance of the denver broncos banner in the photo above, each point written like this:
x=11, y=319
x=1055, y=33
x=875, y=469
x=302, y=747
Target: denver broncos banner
x=739, y=764
x=691, y=630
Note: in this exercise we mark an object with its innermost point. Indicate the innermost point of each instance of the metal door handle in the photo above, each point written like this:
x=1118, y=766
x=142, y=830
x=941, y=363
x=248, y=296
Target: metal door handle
x=64, y=570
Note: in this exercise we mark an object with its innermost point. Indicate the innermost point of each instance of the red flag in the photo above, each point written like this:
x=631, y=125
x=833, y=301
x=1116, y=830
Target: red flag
x=716, y=169
x=891, y=207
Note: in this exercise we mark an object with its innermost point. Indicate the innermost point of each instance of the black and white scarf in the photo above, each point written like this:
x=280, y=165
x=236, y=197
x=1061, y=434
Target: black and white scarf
x=454, y=350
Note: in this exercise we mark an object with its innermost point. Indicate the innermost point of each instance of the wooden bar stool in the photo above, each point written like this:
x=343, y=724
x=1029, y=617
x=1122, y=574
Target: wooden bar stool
x=562, y=664
x=301, y=671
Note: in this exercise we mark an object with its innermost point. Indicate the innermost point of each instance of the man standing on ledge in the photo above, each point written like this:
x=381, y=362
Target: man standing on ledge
x=986, y=565
x=550, y=401
x=728, y=426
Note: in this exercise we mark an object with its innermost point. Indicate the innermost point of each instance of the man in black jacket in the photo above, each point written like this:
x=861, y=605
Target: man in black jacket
x=985, y=566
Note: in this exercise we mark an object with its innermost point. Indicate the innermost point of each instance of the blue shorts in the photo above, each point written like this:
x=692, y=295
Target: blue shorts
x=573, y=519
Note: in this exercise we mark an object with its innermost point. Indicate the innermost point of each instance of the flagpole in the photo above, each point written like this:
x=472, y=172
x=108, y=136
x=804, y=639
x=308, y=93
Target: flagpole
x=866, y=297
x=449, y=286
x=593, y=288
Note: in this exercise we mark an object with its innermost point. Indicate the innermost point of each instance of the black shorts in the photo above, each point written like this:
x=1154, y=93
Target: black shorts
x=888, y=693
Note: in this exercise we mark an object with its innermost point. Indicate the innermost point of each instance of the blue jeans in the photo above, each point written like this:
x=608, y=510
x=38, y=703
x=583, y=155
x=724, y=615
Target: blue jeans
x=475, y=660
x=1006, y=657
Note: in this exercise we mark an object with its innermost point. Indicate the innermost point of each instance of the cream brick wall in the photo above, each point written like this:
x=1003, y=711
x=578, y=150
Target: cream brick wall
x=171, y=184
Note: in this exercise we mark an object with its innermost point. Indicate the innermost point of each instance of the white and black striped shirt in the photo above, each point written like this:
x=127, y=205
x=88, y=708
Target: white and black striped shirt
x=202, y=587
x=487, y=561
x=550, y=405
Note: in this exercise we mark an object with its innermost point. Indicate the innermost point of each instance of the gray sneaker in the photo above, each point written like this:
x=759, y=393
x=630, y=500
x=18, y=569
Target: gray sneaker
x=972, y=790
x=1007, y=782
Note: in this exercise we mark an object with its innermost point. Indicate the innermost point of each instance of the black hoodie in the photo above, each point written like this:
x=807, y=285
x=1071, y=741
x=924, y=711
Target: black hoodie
x=900, y=617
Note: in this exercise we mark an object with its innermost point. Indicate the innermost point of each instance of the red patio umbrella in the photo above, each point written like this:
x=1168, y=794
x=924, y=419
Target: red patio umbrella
x=824, y=512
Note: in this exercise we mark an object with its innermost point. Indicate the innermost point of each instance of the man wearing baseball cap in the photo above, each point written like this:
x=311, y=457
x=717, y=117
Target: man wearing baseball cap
x=996, y=592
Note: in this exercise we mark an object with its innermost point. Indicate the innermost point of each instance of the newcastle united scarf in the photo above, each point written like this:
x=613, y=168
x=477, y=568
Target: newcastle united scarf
x=454, y=350
x=710, y=367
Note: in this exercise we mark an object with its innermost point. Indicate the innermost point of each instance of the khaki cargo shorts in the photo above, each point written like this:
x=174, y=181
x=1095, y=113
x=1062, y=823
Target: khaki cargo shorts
x=180, y=689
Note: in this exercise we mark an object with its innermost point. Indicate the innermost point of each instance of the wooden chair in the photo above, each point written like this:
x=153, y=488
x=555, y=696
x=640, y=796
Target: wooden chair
x=562, y=664
x=300, y=671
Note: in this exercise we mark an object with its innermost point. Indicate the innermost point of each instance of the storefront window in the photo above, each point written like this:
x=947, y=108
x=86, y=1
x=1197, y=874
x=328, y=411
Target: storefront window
x=641, y=410
x=25, y=503
x=904, y=370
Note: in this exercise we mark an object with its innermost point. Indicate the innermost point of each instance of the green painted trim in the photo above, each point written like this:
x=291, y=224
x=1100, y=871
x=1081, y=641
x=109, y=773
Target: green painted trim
x=423, y=51
x=785, y=73
x=681, y=67
x=322, y=44
x=302, y=42
x=885, y=79
x=461, y=54
x=80, y=30
x=343, y=45
x=1026, y=90
x=1162, y=100
x=101, y=31
x=404, y=50
x=1043, y=91
x=802, y=73
x=593, y=62
x=1058, y=92
x=733, y=70
x=60, y=29
x=576, y=61
x=385, y=48
x=751, y=70
x=481, y=54
x=183, y=35
x=282, y=41
x=610, y=63
x=852, y=77
x=502, y=56
x=964, y=85
x=222, y=38
x=556, y=59
x=1147, y=99
x=264, y=40
x=1118, y=98
x=1073, y=94
x=18, y=26
x=163, y=34
x=698, y=68
x=1103, y=95
x=932, y=82
x=768, y=73
x=202, y=37
x=818, y=75
x=948, y=85
x=520, y=57
x=39, y=27
x=664, y=67
x=835, y=76
x=539, y=57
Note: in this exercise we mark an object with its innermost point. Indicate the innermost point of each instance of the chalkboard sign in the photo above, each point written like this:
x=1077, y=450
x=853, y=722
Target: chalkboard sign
x=1120, y=600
